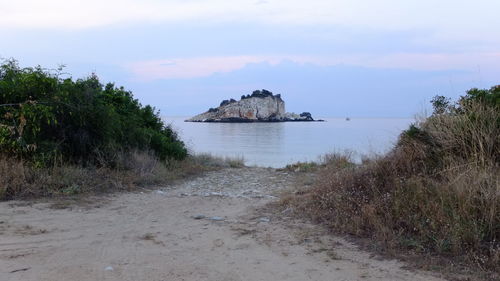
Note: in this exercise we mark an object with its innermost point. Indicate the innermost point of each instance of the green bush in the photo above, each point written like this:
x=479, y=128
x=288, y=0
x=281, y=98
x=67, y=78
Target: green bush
x=44, y=118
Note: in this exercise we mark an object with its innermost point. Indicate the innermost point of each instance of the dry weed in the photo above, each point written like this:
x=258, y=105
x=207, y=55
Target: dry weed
x=19, y=179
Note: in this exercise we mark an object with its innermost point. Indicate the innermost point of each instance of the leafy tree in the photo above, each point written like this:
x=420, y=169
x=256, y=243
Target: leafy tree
x=441, y=104
x=44, y=117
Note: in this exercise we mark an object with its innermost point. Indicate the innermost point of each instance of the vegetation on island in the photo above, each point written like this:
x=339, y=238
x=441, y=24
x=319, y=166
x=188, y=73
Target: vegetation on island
x=437, y=192
x=59, y=135
x=255, y=94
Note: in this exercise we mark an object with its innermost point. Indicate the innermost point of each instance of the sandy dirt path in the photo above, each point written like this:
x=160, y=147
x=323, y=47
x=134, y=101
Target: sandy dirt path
x=208, y=228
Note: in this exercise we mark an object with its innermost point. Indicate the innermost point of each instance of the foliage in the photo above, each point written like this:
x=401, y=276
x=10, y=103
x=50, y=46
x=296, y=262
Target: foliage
x=46, y=118
x=473, y=97
x=441, y=104
x=465, y=131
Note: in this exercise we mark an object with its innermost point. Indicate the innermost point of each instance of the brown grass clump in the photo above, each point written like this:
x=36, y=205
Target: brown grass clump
x=436, y=192
x=19, y=179
x=332, y=160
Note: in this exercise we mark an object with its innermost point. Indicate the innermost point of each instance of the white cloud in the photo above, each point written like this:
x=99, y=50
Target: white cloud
x=445, y=15
x=194, y=67
x=206, y=66
x=450, y=23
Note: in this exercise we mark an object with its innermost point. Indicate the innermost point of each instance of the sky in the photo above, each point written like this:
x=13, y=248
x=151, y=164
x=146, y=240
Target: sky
x=333, y=58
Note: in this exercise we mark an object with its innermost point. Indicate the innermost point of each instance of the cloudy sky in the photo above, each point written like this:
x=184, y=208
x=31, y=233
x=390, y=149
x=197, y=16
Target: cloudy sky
x=334, y=58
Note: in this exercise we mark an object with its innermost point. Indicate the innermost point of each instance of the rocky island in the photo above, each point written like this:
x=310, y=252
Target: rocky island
x=260, y=106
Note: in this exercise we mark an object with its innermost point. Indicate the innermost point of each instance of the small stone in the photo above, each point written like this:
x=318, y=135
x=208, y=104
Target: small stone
x=264, y=219
x=216, y=218
x=218, y=243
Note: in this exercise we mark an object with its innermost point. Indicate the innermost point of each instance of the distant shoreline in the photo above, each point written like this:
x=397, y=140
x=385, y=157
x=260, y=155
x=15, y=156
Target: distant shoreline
x=251, y=121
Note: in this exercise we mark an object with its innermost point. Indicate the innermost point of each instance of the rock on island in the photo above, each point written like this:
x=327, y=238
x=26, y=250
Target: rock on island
x=260, y=106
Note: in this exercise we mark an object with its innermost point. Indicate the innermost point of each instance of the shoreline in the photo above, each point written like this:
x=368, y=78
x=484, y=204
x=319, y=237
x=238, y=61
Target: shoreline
x=240, y=120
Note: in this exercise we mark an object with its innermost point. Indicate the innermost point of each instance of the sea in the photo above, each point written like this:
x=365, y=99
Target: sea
x=279, y=144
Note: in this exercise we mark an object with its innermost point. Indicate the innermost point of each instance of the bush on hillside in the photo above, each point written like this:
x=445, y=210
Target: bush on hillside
x=45, y=118
x=437, y=191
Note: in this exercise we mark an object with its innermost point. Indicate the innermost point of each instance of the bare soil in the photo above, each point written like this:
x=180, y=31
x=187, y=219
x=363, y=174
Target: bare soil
x=214, y=227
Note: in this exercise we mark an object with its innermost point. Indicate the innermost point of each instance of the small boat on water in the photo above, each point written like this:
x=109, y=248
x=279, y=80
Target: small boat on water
x=347, y=119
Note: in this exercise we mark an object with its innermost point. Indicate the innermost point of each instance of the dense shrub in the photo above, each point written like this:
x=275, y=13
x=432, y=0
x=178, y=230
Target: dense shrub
x=45, y=118
x=437, y=191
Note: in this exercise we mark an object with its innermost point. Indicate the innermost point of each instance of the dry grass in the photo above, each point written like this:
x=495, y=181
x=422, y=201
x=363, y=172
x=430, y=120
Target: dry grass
x=331, y=160
x=305, y=167
x=19, y=179
x=436, y=192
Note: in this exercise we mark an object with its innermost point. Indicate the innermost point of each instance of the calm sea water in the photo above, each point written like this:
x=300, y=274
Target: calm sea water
x=279, y=144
